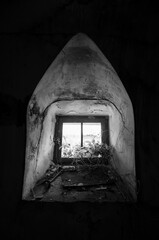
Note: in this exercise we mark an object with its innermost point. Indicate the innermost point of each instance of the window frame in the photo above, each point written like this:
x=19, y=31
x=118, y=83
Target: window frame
x=104, y=120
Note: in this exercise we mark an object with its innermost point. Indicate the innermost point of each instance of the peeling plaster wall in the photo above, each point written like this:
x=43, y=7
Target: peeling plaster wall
x=118, y=138
x=79, y=78
x=79, y=71
x=76, y=107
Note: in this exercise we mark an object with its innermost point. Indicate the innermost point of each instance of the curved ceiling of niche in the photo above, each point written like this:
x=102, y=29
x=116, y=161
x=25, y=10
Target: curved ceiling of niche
x=80, y=71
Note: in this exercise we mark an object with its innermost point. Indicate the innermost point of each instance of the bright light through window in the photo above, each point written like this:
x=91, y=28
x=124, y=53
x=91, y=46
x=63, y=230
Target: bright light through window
x=91, y=133
x=71, y=137
x=77, y=135
x=71, y=133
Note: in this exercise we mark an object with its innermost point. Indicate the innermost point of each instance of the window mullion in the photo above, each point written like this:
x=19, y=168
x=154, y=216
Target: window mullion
x=81, y=134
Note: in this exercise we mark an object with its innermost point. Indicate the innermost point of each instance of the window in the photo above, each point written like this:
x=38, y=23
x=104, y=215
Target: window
x=75, y=136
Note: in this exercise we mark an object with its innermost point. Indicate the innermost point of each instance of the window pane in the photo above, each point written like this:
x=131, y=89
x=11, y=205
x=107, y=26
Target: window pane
x=71, y=139
x=91, y=133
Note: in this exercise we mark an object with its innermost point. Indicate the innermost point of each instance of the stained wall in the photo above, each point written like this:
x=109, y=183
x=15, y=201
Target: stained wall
x=80, y=77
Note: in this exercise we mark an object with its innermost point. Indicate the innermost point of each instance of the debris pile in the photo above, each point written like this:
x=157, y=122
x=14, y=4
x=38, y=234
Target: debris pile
x=43, y=184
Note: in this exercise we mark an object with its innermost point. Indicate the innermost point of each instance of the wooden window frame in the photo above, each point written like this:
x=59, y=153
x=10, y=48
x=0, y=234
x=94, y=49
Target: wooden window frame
x=104, y=120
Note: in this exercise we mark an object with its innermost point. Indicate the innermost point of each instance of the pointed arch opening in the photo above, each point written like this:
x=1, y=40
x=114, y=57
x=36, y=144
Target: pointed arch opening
x=79, y=97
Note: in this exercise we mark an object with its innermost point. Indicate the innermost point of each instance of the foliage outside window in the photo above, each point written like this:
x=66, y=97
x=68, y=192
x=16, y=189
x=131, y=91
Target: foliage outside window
x=102, y=153
x=82, y=138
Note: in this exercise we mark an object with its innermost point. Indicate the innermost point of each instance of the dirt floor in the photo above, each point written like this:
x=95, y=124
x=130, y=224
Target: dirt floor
x=87, y=183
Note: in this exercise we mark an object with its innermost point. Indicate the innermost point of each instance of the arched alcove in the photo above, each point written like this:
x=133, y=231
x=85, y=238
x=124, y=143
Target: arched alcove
x=79, y=82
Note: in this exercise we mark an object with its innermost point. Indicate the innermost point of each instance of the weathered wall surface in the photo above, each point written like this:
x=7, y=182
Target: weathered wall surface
x=85, y=107
x=121, y=142
x=67, y=108
x=80, y=71
x=32, y=34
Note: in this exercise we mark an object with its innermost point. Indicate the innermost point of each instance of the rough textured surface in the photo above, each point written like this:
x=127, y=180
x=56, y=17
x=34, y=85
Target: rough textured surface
x=32, y=34
x=98, y=184
x=80, y=71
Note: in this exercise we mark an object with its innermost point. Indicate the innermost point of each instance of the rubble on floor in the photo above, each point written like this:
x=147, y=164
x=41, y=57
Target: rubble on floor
x=83, y=183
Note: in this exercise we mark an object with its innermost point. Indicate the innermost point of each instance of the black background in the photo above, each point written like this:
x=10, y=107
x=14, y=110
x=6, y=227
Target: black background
x=32, y=33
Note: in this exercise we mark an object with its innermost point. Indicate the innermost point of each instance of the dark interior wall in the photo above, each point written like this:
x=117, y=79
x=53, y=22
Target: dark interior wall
x=31, y=35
